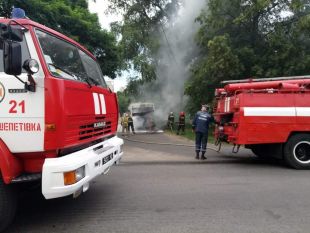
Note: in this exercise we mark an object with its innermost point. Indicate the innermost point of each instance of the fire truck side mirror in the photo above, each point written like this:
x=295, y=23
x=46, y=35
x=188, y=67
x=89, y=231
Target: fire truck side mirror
x=12, y=57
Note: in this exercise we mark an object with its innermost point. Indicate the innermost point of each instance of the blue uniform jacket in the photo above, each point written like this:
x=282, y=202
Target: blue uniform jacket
x=201, y=122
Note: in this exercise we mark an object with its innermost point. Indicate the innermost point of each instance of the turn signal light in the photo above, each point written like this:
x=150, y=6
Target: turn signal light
x=72, y=177
x=69, y=178
x=50, y=127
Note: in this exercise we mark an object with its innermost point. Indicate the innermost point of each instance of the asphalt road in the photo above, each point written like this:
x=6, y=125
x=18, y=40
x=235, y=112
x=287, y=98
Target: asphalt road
x=162, y=188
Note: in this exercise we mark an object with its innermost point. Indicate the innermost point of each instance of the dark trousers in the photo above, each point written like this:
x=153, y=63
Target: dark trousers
x=201, y=141
x=170, y=125
x=181, y=127
x=130, y=126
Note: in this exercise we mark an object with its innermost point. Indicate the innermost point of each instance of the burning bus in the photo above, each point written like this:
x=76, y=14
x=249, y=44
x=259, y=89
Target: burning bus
x=143, y=116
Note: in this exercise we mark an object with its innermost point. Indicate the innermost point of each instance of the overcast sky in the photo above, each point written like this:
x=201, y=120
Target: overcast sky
x=100, y=7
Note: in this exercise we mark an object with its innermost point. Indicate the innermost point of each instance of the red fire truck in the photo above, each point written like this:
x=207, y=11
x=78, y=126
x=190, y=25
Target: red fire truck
x=269, y=116
x=58, y=118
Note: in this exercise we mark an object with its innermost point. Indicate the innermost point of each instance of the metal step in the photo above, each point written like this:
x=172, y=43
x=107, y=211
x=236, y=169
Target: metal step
x=27, y=178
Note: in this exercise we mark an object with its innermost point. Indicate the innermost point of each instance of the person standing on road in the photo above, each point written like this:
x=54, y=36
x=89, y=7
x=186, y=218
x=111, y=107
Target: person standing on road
x=124, y=124
x=181, y=124
x=170, y=123
x=200, y=126
x=130, y=124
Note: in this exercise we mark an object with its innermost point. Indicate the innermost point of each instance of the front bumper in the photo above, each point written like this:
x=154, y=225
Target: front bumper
x=97, y=160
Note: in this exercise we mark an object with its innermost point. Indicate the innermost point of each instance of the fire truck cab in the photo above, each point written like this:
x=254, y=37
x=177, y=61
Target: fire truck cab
x=269, y=116
x=58, y=118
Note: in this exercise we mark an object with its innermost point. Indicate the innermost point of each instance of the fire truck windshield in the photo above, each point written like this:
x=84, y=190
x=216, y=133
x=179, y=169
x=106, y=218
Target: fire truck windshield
x=66, y=61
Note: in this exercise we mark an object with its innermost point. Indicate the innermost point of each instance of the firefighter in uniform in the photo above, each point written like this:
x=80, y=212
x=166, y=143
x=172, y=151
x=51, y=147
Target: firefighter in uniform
x=200, y=125
x=170, y=123
x=181, y=124
x=130, y=124
x=124, y=123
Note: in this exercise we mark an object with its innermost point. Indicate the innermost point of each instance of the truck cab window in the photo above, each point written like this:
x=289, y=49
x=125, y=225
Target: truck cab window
x=92, y=68
x=62, y=58
x=25, y=54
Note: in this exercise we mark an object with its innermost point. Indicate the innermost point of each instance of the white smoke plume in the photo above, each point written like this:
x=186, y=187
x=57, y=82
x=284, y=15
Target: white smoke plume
x=177, y=51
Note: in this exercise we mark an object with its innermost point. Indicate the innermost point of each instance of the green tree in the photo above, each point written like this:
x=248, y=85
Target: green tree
x=72, y=18
x=140, y=31
x=249, y=38
x=123, y=101
x=220, y=63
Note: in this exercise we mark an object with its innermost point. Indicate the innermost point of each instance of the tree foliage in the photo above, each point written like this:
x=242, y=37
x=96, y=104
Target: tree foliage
x=123, y=101
x=72, y=18
x=139, y=32
x=249, y=38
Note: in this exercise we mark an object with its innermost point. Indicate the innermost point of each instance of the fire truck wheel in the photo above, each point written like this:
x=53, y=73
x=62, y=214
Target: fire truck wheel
x=8, y=204
x=297, y=151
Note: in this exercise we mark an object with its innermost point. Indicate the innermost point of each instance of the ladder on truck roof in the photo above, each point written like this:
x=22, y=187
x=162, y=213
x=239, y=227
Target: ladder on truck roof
x=265, y=79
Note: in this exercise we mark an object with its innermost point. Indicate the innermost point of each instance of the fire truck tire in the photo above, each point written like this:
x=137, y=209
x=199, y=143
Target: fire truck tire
x=8, y=204
x=297, y=151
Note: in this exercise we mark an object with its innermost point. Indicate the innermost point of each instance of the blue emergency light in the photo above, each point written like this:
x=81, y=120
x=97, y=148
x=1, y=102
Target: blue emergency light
x=18, y=13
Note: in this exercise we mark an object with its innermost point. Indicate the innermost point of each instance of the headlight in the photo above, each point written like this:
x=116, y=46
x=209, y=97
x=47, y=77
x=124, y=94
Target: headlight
x=80, y=173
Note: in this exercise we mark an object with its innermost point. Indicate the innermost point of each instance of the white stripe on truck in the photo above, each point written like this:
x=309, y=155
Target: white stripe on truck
x=96, y=102
x=277, y=111
x=103, y=107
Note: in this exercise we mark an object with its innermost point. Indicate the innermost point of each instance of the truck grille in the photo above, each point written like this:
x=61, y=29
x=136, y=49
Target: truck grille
x=90, y=130
x=84, y=129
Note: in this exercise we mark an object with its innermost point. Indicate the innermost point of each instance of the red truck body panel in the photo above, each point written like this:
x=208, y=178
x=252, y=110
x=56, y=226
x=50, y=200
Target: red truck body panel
x=262, y=112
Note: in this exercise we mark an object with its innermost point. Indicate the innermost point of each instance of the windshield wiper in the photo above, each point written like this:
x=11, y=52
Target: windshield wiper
x=87, y=78
x=90, y=80
x=87, y=81
x=94, y=81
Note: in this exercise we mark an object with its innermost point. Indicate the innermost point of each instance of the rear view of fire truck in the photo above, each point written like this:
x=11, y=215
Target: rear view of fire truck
x=58, y=119
x=269, y=116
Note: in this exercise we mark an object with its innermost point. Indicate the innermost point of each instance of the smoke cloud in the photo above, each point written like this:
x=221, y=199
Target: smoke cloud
x=176, y=54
